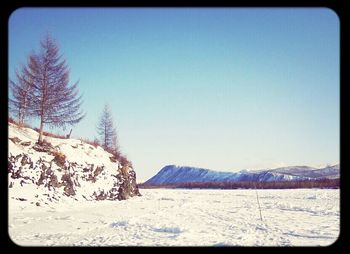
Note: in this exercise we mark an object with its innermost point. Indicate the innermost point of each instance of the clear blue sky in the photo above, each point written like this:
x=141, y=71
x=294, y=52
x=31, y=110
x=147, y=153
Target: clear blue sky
x=220, y=88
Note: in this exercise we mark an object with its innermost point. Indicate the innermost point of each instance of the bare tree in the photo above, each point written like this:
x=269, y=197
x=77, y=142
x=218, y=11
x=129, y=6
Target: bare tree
x=53, y=100
x=19, y=103
x=107, y=131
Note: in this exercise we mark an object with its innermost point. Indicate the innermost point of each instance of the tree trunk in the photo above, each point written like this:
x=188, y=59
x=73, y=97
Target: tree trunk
x=105, y=137
x=19, y=116
x=23, y=111
x=41, y=131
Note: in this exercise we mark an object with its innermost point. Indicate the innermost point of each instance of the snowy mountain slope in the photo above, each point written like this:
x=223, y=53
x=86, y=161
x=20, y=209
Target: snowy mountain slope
x=329, y=171
x=179, y=174
x=61, y=168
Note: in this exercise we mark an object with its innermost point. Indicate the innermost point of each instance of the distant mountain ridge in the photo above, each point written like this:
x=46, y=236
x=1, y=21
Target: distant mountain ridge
x=172, y=174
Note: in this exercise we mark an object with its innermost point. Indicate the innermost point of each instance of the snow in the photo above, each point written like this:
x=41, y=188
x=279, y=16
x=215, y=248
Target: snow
x=180, y=217
x=74, y=149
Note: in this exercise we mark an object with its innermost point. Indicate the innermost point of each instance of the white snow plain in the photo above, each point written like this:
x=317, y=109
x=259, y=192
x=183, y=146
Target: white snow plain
x=180, y=217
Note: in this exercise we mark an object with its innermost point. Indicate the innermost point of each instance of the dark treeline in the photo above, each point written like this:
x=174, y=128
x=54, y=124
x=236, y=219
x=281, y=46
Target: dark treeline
x=296, y=184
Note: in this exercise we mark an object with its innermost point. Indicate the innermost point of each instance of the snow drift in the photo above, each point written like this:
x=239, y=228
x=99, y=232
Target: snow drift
x=60, y=168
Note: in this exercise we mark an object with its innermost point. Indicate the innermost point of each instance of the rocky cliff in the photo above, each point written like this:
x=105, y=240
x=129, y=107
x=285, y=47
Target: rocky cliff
x=64, y=168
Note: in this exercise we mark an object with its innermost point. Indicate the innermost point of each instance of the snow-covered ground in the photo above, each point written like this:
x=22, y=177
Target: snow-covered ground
x=178, y=217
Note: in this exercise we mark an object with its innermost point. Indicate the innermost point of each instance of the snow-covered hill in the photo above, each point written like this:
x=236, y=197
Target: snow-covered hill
x=63, y=168
x=177, y=174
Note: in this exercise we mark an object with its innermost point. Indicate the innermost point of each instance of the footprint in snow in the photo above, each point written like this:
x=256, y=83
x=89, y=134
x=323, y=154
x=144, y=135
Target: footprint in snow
x=119, y=224
x=173, y=230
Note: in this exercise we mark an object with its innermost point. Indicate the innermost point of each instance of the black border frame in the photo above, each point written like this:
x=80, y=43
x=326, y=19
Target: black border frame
x=339, y=7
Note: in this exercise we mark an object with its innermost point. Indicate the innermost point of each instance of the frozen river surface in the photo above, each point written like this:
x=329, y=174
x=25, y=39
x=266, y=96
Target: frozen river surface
x=178, y=217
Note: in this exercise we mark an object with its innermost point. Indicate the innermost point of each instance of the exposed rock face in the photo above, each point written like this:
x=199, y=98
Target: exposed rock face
x=15, y=140
x=44, y=146
x=46, y=170
x=127, y=179
x=66, y=177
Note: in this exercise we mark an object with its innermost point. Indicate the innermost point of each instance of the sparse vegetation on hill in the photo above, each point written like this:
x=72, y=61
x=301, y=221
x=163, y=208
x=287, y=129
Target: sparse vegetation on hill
x=116, y=153
x=108, y=137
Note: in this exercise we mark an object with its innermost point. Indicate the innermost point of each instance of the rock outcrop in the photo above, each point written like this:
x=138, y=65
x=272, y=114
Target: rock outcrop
x=60, y=168
x=127, y=180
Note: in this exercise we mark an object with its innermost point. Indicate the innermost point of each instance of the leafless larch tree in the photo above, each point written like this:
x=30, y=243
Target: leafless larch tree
x=107, y=131
x=53, y=100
